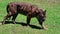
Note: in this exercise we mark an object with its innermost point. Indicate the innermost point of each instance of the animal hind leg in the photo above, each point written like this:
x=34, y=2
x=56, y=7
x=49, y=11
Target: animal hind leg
x=6, y=17
x=14, y=17
x=28, y=19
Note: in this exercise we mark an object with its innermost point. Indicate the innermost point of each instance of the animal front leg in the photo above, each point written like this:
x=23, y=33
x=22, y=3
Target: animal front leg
x=43, y=26
x=41, y=23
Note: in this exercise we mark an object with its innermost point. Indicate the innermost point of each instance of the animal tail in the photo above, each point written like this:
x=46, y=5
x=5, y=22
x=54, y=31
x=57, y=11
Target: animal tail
x=7, y=8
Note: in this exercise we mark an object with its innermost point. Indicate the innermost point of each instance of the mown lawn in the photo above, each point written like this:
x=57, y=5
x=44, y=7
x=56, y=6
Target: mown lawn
x=52, y=18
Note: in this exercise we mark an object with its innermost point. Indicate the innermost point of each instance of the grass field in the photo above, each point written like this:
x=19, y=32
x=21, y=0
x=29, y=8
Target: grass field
x=52, y=18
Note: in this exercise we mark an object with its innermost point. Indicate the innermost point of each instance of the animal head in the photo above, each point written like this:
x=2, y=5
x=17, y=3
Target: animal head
x=42, y=15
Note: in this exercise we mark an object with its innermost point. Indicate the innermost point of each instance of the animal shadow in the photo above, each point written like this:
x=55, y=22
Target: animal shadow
x=24, y=24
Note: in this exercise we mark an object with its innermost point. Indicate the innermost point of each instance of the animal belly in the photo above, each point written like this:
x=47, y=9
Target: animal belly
x=23, y=12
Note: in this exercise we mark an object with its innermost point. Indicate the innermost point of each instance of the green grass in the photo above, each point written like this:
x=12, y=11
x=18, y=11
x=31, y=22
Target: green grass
x=52, y=18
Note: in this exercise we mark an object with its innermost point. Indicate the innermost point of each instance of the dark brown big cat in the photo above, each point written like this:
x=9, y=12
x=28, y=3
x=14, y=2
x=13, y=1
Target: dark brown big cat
x=29, y=10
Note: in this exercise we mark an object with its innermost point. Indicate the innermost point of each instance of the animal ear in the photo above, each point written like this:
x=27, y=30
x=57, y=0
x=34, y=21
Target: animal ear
x=45, y=11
